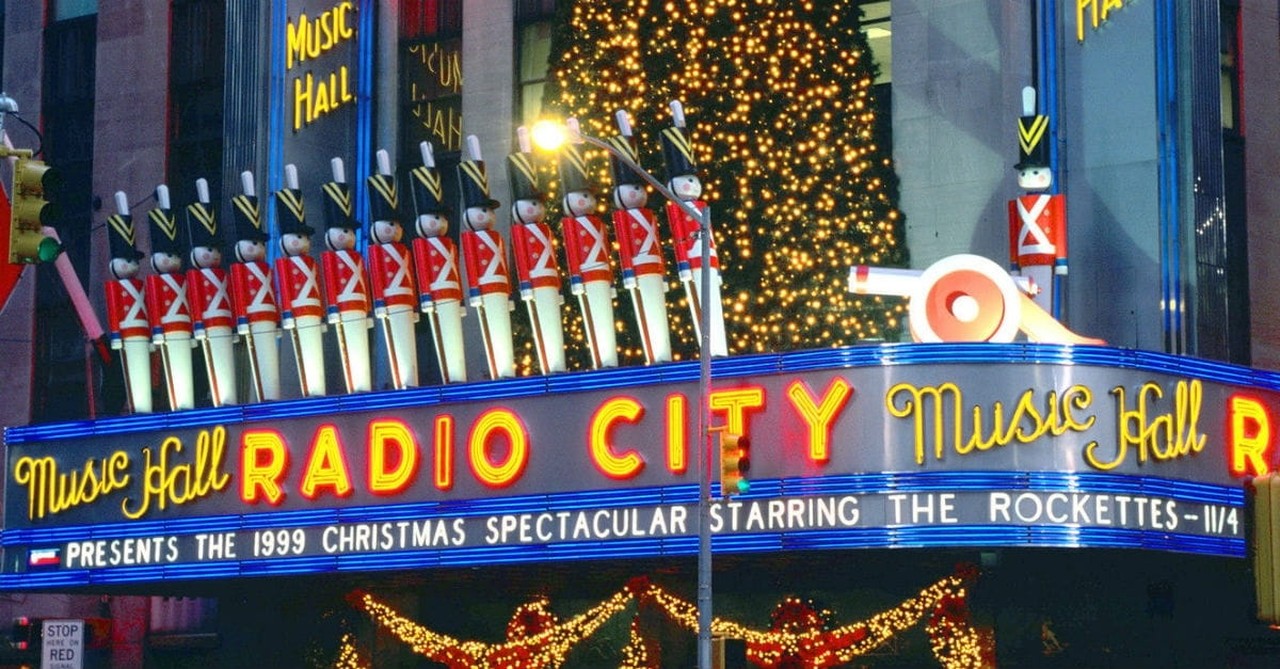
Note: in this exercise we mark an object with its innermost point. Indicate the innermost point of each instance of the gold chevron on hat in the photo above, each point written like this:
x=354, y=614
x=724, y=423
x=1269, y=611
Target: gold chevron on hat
x=292, y=200
x=247, y=205
x=681, y=143
x=165, y=222
x=386, y=187
x=204, y=215
x=1031, y=131
x=471, y=169
x=339, y=196
x=123, y=226
x=522, y=162
x=625, y=147
x=430, y=180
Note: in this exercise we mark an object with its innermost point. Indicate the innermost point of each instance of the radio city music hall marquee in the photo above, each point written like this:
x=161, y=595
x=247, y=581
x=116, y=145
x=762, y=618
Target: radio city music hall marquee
x=850, y=448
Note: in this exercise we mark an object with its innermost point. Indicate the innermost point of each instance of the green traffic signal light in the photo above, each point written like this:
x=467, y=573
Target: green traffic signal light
x=33, y=182
x=735, y=463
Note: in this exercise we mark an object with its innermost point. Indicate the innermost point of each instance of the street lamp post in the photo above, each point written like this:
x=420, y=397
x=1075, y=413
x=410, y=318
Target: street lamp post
x=551, y=135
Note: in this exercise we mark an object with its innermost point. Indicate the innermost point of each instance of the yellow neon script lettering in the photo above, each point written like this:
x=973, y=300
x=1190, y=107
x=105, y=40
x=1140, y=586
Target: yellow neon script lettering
x=50, y=491
x=1026, y=423
x=1099, y=12
x=1155, y=436
x=309, y=38
x=165, y=482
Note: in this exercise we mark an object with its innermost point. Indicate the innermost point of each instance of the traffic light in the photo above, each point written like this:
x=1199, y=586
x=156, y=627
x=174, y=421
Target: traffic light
x=33, y=182
x=735, y=462
x=26, y=633
x=1266, y=546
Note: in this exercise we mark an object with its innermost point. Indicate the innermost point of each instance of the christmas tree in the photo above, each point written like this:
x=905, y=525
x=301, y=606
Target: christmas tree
x=779, y=102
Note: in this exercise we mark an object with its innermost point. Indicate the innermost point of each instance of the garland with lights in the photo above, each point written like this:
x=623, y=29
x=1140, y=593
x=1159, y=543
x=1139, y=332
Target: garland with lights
x=800, y=635
x=781, y=106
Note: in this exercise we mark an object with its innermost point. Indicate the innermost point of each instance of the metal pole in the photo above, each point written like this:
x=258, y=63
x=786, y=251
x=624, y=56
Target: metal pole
x=705, y=457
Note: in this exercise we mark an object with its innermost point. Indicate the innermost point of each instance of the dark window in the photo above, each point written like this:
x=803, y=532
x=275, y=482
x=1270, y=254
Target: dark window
x=196, y=79
x=430, y=18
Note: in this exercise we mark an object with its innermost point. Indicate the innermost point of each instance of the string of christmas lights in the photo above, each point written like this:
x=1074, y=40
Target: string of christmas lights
x=799, y=636
x=781, y=106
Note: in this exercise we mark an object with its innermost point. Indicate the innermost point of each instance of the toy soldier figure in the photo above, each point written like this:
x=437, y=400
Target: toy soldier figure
x=391, y=273
x=686, y=230
x=535, y=256
x=127, y=309
x=586, y=248
x=257, y=316
x=210, y=299
x=346, y=292
x=302, y=312
x=488, y=280
x=1038, y=220
x=168, y=306
x=436, y=260
x=639, y=248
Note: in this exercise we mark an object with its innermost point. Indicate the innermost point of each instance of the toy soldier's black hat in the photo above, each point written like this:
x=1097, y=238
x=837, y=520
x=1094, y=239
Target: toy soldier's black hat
x=291, y=214
x=338, y=210
x=384, y=202
x=475, y=185
x=573, y=169
x=623, y=174
x=677, y=153
x=123, y=242
x=428, y=191
x=1033, y=145
x=523, y=177
x=248, y=218
x=164, y=232
x=202, y=226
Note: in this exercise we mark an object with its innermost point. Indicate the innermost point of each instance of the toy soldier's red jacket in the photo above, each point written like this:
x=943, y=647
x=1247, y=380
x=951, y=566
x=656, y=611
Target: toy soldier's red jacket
x=586, y=248
x=344, y=284
x=536, y=264
x=486, y=259
x=252, y=295
x=1037, y=230
x=638, y=245
x=436, y=262
x=167, y=304
x=391, y=273
x=684, y=230
x=210, y=301
x=126, y=311
x=299, y=288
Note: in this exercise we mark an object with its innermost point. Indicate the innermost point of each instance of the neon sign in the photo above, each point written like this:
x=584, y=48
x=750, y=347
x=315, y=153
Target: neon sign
x=309, y=39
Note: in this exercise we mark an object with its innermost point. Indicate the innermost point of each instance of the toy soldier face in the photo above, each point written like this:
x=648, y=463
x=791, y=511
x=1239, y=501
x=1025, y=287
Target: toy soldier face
x=386, y=232
x=340, y=239
x=480, y=218
x=165, y=263
x=204, y=257
x=687, y=187
x=124, y=268
x=630, y=196
x=529, y=211
x=432, y=225
x=1035, y=178
x=580, y=202
x=294, y=244
x=249, y=250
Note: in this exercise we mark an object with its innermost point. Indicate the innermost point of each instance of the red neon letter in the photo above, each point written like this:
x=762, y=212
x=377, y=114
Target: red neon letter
x=326, y=465
x=1248, y=435
x=677, y=434
x=819, y=415
x=614, y=466
x=498, y=475
x=263, y=459
x=383, y=478
x=444, y=452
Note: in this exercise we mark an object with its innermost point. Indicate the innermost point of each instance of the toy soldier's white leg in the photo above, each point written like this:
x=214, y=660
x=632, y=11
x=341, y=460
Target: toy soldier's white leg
x=650, y=300
x=497, y=325
x=719, y=342
x=596, y=302
x=136, y=364
x=544, y=311
x=178, y=371
x=308, y=350
x=1042, y=275
x=354, y=347
x=446, y=329
x=401, y=345
x=266, y=359
x=221, y=363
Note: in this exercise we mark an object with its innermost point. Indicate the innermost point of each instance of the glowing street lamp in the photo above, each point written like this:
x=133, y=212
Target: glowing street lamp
x=550, y=136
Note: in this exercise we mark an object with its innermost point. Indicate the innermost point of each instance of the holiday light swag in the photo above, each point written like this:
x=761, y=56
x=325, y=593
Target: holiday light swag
x=799, y=636
x=779, y=101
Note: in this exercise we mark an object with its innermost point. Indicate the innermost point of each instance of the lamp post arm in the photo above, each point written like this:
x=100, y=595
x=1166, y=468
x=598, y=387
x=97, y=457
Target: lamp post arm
x=643, y=174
